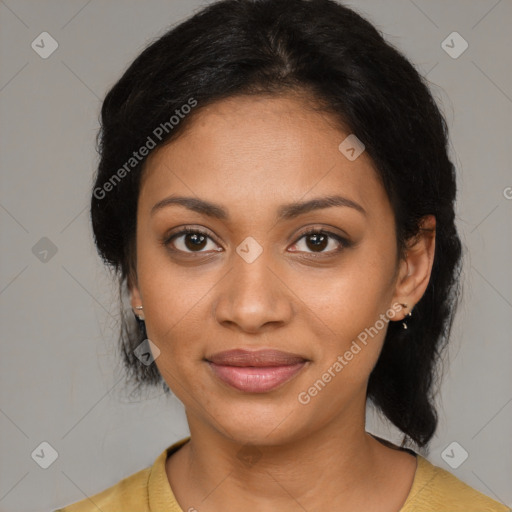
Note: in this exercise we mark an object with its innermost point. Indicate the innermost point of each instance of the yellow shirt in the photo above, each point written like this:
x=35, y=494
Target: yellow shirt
x=433, y=490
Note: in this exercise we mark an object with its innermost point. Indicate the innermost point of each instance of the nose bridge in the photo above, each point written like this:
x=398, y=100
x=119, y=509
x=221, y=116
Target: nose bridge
x=252, y=295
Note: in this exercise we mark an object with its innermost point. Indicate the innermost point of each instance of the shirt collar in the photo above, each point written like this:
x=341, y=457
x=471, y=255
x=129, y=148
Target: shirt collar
x=160, y=495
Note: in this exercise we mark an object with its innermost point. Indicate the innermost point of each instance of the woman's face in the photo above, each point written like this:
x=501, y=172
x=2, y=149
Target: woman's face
x=256, y=172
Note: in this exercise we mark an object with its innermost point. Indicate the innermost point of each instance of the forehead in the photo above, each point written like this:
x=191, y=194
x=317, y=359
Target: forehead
x=271, y=149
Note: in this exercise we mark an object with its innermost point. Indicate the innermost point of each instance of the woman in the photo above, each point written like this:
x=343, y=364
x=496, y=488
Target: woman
x=275, y=193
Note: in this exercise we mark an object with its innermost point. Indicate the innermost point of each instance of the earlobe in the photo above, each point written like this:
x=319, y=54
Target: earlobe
x=416, y=267
x=135, y=300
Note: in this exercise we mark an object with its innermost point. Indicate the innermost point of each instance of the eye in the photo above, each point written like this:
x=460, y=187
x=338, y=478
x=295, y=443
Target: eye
x=317, y=240
x=190, y=240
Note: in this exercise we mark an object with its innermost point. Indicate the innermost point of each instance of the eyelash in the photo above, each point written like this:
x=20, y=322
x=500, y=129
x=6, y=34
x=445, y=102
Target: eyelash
x=344, y=243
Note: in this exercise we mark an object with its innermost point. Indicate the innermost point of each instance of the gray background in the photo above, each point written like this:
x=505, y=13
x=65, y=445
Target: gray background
x=61, y=381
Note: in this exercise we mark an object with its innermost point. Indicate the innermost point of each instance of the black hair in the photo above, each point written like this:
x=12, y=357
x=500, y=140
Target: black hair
x=331, y=53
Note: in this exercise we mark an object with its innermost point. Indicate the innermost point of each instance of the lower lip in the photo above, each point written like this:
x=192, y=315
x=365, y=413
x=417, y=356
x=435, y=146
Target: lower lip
x=256, y=379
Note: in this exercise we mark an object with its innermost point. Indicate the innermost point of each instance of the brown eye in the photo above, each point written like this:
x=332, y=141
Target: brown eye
x=195, y=241
x=191, y=240
x=317, y=241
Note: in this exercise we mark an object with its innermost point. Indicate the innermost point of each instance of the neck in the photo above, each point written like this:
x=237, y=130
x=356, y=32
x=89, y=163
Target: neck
x=340, y=461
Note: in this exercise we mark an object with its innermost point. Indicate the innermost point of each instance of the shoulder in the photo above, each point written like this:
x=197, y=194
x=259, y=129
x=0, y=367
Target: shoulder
x=128, y=494
x=146, y=490
x=437, y=490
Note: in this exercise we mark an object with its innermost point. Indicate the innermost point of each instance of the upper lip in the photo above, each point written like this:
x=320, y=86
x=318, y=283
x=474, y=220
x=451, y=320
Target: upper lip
x=267, y=357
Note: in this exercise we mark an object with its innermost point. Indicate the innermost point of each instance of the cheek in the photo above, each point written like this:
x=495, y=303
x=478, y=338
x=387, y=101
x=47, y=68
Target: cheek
x=347, y=306
x=352, y=296
x=174, y=299
x=169, y=290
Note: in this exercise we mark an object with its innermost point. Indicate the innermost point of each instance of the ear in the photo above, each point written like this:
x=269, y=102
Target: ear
x=135, y=297
x=415, y=269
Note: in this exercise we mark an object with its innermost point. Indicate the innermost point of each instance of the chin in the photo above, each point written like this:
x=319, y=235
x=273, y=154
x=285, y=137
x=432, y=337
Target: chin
x=268, y=423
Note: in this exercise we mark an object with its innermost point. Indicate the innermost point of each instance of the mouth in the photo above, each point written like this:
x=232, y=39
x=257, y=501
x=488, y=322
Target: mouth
x=255, y=371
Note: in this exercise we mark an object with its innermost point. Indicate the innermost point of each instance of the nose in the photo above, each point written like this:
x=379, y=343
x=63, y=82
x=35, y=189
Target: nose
x=252, y=297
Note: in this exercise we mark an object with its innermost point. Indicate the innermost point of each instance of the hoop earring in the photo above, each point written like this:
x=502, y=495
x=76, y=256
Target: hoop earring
x=404, y=322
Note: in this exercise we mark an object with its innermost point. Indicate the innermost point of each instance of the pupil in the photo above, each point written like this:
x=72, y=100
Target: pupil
x=319, y=241
x=197, y=241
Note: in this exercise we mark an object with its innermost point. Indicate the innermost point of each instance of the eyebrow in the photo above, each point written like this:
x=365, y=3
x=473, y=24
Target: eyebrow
x=285, y=212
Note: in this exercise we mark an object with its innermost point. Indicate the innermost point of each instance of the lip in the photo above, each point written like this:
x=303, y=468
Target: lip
x=259, y=358
x=255, y=371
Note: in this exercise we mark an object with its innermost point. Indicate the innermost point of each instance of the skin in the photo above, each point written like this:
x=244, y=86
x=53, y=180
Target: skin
x=251, y=155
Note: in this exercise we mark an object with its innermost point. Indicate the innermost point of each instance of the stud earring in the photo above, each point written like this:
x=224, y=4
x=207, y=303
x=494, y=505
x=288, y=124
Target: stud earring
x=139, y=308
